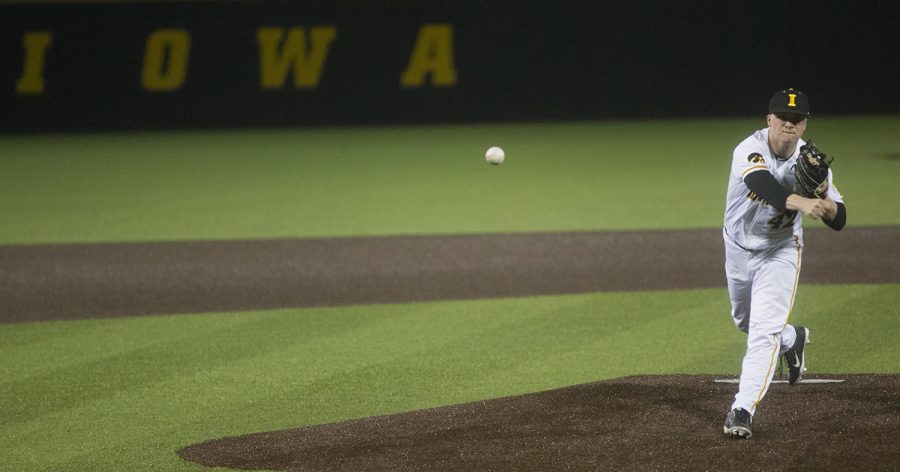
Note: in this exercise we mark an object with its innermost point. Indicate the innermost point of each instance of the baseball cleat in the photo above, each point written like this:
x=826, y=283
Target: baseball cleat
x=795, y=358
x=739, y=423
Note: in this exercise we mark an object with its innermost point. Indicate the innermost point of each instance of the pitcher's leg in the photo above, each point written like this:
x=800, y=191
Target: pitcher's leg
x=740, y=282
x=774, y=287
x=757, y=370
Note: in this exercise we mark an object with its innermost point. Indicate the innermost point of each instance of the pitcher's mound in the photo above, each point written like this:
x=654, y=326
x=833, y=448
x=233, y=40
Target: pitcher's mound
x=628, y=424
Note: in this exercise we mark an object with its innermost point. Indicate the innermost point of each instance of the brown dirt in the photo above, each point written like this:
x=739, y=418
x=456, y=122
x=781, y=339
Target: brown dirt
x=100, y=280
x=635, y=423
x=628, y=424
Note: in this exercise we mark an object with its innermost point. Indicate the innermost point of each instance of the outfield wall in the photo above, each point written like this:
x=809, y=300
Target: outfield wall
x=112, y=66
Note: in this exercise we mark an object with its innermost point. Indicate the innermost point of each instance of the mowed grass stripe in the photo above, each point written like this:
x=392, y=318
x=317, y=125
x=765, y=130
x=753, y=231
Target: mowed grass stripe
x=853, y=327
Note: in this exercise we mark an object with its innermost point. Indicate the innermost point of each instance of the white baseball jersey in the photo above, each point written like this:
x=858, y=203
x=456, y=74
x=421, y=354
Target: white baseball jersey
x=749, y=221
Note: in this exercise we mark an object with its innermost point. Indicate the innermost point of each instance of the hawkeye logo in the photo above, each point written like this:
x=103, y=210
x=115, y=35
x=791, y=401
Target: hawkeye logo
x=756, y=158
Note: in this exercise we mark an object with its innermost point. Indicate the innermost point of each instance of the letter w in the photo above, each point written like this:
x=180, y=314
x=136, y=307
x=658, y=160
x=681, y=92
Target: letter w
x=276, y=59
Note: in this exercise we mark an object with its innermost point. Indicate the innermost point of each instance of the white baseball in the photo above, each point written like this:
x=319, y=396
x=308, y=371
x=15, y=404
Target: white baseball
x=494, y=155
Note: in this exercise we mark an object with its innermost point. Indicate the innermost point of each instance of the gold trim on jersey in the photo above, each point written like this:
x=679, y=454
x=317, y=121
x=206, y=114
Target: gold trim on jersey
x=750, y=169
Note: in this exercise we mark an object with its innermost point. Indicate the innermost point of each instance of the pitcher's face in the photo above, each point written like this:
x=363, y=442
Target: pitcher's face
x=786, y=128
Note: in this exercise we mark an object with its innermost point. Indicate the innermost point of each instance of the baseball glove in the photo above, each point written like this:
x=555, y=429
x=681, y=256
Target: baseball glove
x=811, y=171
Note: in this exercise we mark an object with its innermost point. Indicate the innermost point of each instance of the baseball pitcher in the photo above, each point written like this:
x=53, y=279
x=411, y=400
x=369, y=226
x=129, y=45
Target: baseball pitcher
x=776, y=179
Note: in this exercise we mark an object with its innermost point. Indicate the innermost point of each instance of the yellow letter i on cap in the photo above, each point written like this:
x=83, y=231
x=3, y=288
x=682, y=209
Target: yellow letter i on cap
x=791, y=102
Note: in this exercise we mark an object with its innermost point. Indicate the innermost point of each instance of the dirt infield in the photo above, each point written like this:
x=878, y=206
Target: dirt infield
x=629, y=424
x=100, y=280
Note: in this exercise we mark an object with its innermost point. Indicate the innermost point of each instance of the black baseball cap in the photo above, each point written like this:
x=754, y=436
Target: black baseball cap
x=789, y=101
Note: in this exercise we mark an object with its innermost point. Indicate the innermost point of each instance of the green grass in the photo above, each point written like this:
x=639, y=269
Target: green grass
x=125, y=394
x=398, y=180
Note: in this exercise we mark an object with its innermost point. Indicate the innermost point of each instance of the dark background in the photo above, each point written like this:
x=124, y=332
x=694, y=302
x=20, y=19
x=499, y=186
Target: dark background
x=516, y=61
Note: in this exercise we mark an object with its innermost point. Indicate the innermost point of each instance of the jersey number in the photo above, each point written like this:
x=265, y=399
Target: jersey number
x=782, y=220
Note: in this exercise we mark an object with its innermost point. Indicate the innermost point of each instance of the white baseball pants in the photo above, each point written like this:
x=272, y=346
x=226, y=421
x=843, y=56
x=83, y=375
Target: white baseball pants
x=762, y=285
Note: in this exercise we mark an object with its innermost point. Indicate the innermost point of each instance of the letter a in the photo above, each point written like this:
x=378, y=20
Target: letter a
x=433, y=54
